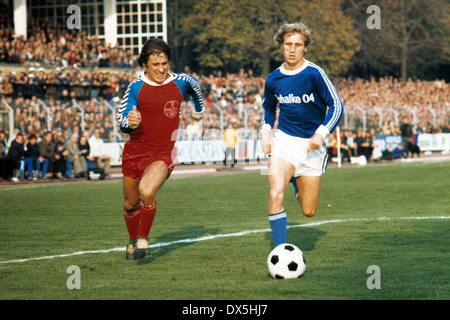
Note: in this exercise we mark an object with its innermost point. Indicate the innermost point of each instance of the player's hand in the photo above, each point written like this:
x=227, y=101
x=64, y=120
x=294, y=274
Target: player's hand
x=197, y=116
x=134, y=118
x=266, y=141
x=315, y=142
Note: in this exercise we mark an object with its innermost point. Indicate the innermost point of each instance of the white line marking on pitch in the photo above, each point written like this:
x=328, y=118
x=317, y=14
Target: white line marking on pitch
x=218, y=236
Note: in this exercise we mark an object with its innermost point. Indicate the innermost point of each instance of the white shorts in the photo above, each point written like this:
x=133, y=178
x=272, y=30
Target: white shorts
x=293, y=150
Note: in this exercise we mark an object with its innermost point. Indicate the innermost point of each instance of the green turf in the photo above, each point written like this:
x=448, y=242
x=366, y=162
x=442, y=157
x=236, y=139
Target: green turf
x=344, y=238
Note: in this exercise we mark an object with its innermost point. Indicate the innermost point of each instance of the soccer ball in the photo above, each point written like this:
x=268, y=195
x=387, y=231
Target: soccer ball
x=286, y=261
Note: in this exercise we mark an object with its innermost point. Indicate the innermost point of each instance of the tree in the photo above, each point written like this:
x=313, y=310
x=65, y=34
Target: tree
x=335, y=41
x=215, y=29
x=414, y=37
x=417, y=27
x=178, y=38
x=231, y=34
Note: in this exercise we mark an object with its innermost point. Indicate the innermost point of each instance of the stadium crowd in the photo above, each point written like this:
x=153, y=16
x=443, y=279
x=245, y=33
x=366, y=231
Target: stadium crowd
x=237, y=96
x=70, y=84
x=50, y=45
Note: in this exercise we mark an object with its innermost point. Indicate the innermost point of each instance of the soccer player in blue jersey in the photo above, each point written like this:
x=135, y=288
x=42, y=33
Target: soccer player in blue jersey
x=150, y=114
x=309, y=110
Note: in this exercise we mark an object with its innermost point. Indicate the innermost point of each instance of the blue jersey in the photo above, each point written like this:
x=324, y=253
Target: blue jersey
x=307, y=100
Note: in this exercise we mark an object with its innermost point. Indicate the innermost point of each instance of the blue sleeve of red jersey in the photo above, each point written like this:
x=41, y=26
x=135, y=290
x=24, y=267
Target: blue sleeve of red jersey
x=130, y=99
x=196, y=95
x=190, y=85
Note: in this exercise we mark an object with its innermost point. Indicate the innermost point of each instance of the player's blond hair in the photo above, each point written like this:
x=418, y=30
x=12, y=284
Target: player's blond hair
x=290, y=28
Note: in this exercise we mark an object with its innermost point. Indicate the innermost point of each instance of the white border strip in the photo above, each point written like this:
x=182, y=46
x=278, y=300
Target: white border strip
x=218, y=236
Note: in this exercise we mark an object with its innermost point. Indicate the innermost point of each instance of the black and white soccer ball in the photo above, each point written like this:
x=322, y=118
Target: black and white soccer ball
x=286, y=261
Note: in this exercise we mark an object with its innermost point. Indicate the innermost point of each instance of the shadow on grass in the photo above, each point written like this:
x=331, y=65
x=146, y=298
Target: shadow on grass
x=169, y=242
x=303, y=237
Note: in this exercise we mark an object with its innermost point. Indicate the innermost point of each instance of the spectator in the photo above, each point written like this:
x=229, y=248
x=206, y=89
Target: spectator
x=406, y=132
x=3, y=144
x=365, y=145
x=75, y=156
x=413, y=147
x=387, y=154
x=62, y=166
x=32, y=157
x=97, y=151
x=8, y=89
x=47, y=152
x=399, y=152
x=352, y=143
x=6, y=164
x=85, y=151
x=346, y=153
x=193, y=130
x=17, y=154
x=331, y=143
x=230, y=138
x=103, y=59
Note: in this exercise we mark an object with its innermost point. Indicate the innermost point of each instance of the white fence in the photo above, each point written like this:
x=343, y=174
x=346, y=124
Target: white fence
x=426, y=141
x=200, y=151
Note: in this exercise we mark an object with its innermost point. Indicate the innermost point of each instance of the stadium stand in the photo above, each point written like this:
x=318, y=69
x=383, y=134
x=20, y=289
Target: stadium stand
x=61, y=79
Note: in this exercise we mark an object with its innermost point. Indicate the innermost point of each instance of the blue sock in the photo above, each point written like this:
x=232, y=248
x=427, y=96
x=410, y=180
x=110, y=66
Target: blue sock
x=278, y=224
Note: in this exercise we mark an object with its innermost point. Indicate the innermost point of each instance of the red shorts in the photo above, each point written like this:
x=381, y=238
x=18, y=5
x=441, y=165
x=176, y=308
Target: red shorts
x=135, y=159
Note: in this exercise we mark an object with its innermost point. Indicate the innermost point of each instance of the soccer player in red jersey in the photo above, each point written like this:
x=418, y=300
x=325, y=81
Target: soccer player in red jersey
x=150, y=114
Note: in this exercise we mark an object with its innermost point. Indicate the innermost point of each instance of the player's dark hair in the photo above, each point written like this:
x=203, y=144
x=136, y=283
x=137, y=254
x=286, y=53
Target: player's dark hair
x=151, y=47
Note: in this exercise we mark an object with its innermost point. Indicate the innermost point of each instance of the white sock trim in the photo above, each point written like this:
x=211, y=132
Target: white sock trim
x=277, y=216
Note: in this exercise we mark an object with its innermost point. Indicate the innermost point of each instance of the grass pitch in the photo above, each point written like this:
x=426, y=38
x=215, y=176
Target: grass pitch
x=211, y=238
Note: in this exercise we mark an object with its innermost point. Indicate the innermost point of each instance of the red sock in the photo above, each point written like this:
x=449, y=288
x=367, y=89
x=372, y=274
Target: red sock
x=147, y=214
x=132, y=223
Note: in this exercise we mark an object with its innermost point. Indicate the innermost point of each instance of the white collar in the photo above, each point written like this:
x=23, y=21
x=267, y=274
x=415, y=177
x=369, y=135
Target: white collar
x=146, y=80
x=283, y=70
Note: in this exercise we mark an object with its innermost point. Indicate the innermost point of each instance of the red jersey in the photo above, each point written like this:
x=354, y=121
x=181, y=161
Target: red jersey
x=159, y=106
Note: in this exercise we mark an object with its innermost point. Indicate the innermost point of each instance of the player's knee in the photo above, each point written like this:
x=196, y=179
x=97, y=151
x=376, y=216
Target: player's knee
x=276, y=196
x=130, y=208
x=309, y=212
x=146, y=195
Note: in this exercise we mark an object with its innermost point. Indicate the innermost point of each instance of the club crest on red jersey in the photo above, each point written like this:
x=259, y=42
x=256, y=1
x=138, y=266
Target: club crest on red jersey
x=171, y=109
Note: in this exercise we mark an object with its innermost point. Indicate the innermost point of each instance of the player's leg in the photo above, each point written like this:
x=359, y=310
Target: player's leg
x=294, y=184
x=131, y=212
x=280, y=173
x=308, y=194
x=309, y=179
x=153, y=178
